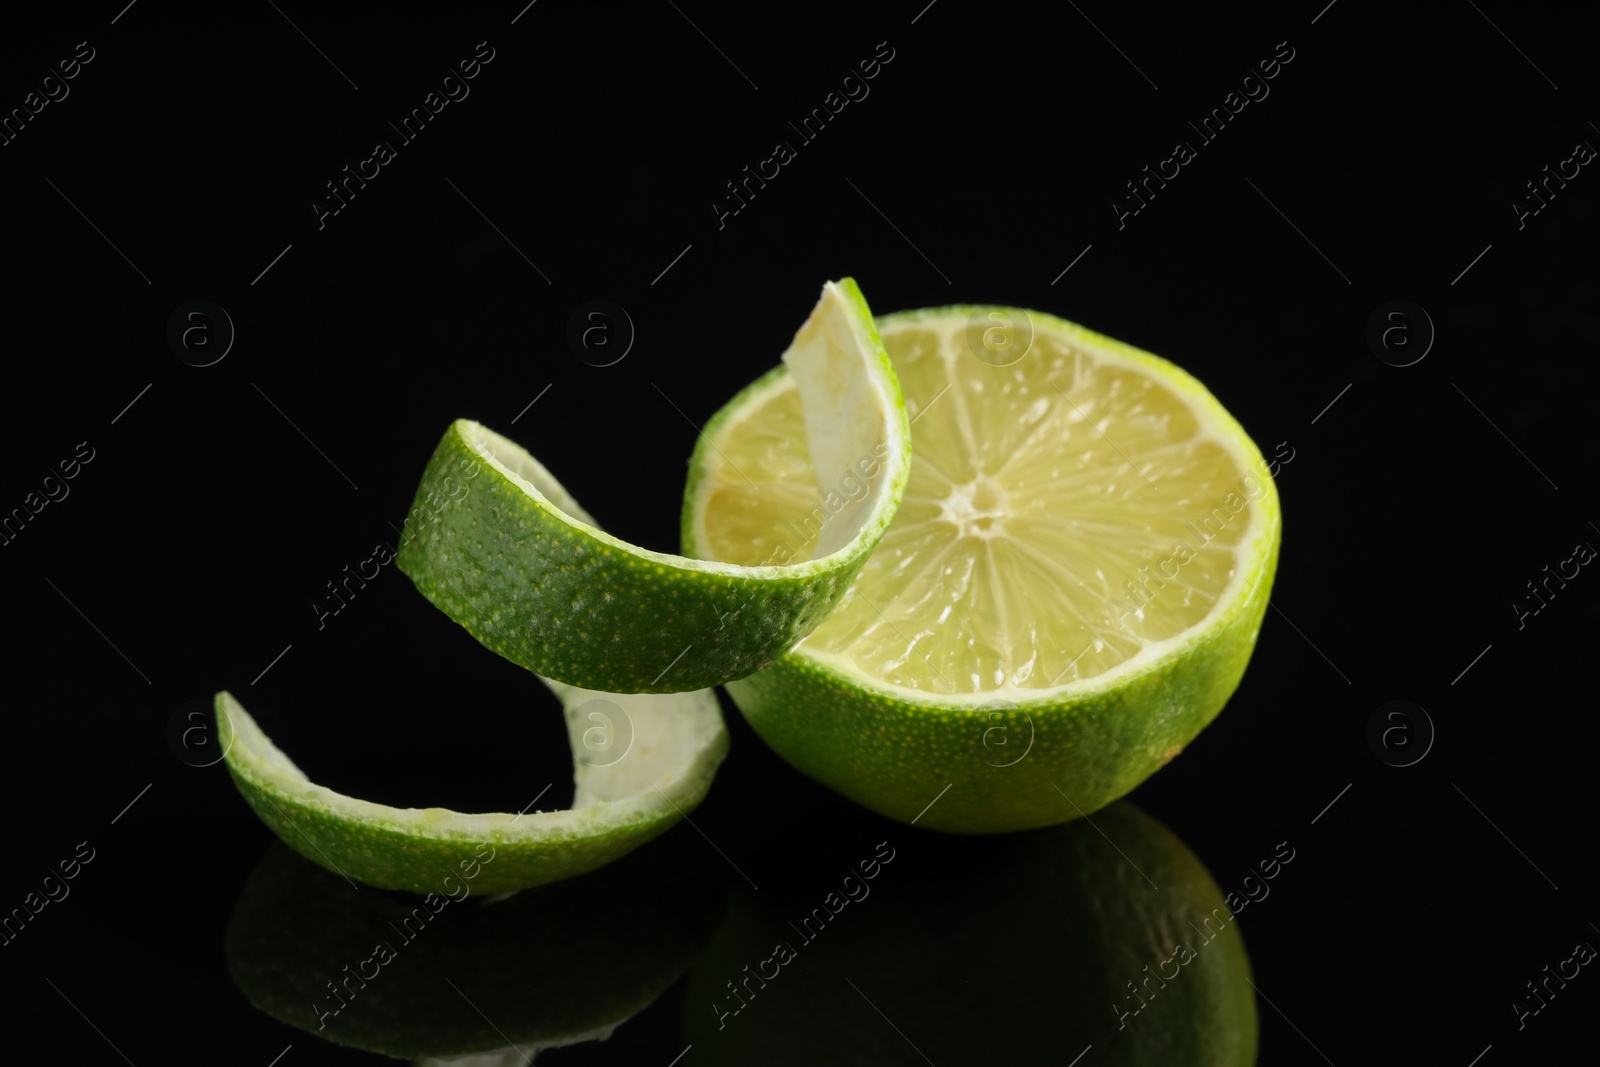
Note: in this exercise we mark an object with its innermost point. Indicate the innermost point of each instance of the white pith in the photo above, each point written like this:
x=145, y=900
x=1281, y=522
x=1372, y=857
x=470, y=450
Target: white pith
x=851, y=400
x=673, y=739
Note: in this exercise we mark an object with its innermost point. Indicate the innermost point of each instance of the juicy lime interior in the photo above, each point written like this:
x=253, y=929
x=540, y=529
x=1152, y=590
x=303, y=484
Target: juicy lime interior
x=1064, y=513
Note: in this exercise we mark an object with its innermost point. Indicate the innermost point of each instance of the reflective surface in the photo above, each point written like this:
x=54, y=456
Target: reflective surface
x=1026, y=948
x=447, y=976
x=260, y=258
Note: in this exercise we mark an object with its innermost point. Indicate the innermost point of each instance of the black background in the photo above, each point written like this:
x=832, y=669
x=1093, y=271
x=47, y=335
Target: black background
x=1382, y=164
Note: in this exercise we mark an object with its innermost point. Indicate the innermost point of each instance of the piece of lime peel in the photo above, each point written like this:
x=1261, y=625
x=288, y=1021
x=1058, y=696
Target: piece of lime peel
x=843, y=427
x=675, y=743
x=509, y=558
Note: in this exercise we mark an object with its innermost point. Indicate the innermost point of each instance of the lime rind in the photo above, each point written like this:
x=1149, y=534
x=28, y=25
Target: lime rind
x=678, y=742
x=507, y=553
x=940, y=764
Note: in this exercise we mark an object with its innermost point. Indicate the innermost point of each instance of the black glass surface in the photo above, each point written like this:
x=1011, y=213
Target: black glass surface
x=245, y=298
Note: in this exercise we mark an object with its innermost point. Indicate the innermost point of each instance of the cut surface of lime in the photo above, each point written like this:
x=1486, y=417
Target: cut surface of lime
x=1070, y=590
x=504, y=550
x=623, y=798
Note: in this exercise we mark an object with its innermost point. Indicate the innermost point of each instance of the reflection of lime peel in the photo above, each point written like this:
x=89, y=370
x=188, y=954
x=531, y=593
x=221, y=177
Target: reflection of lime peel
x=678, y=742
x=550, y=965
x=521, y=1055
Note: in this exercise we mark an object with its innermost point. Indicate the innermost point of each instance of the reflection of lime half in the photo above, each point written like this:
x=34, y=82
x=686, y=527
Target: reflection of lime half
x=507, y=553
x=1044, y=937
x=1082, y=557
x=552, y=966
x=676, y=740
